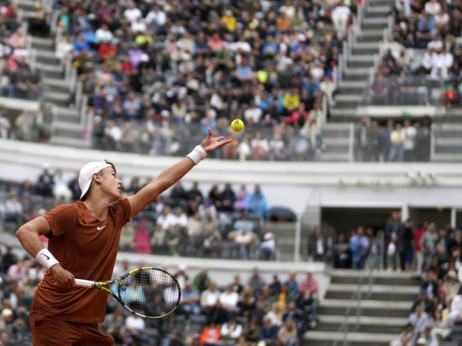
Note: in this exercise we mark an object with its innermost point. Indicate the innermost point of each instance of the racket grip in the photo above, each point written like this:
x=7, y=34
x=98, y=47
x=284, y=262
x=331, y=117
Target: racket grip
x=84, y=283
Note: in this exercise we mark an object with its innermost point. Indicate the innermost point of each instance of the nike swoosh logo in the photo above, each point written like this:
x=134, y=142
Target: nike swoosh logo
x=100, y=228
x=45, y=256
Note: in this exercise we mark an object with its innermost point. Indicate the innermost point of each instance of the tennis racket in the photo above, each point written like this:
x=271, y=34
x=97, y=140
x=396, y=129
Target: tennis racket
x=147, y=292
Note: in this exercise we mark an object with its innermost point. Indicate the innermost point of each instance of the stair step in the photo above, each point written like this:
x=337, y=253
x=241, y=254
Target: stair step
x=384, y=9
x=50, y=68
x=332, y=157
x=361, y=328
x=56, y=82
x=446, y=157
x=375, y=288
x=344, y=114
x=370, y=320
x=320, y=338
x=382, y=296
x=376, y=304
x=70, y=142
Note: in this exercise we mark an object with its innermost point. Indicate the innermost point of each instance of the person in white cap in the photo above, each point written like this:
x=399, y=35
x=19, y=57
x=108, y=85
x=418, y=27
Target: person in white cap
x=83, y=242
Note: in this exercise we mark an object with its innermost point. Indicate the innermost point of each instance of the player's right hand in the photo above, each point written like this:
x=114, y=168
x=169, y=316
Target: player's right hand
x=63, y=278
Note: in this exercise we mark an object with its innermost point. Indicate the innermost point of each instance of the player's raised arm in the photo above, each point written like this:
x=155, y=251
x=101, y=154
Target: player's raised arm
x=174, y=173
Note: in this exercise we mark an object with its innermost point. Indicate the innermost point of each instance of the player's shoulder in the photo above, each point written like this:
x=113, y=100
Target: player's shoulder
x=67, y=207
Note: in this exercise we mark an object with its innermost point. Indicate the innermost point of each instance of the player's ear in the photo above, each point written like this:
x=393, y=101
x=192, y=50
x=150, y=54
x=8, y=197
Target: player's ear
x=97, y=177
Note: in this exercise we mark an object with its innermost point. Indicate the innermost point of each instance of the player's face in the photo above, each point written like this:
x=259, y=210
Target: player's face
x=110, y=183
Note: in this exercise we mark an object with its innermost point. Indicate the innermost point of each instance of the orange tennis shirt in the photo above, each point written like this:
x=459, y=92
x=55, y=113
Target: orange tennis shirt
x=86, y=247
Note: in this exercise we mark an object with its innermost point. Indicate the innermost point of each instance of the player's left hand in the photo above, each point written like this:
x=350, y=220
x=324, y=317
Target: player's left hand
x=211, y=144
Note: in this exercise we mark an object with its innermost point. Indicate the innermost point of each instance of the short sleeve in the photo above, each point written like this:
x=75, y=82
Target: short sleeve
x=121, y=211
x=59, y=219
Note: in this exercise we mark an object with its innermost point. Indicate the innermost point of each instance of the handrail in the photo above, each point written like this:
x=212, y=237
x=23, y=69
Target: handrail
x=351, y=143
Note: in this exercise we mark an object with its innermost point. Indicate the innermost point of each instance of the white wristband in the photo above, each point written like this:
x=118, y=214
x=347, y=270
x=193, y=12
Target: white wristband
x=46, y=259
x=197, y=154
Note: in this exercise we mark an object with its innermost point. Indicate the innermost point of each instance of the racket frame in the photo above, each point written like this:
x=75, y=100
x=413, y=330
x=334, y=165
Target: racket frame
x=101, y=285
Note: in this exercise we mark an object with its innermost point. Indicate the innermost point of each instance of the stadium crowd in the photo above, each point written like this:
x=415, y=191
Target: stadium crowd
x=17, y=80
x=422, y=58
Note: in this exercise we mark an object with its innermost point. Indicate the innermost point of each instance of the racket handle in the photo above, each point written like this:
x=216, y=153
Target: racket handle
x=84, y=283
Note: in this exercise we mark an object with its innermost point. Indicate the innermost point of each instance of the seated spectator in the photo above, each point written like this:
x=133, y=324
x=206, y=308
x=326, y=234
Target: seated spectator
x=211, y=241
x=455, y=314
x=241, y=203
x=229, y=299
x=276, y=314
x=127, y=238
x=246, y=302
x=311, y=282
x=14, y=208
x=256, y=282
x=268, y=332
x=210, y=335
x=406, y=337
x=251, y=331
x=210, y=297
x=142, y=238
x=288, y=333
x=190, y=300
x=419, y=319
x=61, y=190
x=307, y=306
x=227, y=198
x=201, y=282
x=243, y=240
x=268, y=244
x=257, y=202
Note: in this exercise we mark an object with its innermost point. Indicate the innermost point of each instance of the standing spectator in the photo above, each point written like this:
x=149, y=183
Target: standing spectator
x=410, y=133
x=407, y=255
x=397, y=138
x=394, y=225
x=418, y=237
x=359, y=245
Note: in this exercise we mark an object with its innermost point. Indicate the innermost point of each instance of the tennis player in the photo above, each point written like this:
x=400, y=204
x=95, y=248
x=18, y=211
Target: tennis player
x=84, y=239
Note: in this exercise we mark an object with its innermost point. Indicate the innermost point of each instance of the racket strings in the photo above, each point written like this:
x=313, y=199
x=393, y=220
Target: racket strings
x=150, y=292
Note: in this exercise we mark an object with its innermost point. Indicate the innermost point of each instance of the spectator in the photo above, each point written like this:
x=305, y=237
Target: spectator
x=229, y=299
x=243, y=241
x=201, y=281
x=257, y=202
x=268, y=332
x=210, y=297
x=231, y=330
x=311, y=282
x=210, y=335
x=190, y=300
x=268, y=244
x=142, y=238
x=256, y=282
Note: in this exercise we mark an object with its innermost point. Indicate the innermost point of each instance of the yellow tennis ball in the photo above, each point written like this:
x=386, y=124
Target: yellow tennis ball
x=237, y=125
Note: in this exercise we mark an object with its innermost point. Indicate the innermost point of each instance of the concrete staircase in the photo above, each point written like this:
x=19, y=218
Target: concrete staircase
x=447, y=136
x=363, y=45
x=67, y=125
x=338, y=140
x=354, y=313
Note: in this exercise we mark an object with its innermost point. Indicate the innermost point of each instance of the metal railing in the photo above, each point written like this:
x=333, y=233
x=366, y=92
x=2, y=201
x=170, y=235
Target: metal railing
x=358, y=295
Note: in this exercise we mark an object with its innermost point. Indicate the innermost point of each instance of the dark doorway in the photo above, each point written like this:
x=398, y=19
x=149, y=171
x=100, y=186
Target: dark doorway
x=439, y=216
x=346, y=219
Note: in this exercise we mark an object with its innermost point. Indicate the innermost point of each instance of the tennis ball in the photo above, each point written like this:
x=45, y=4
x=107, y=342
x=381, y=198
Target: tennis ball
x=237, y=125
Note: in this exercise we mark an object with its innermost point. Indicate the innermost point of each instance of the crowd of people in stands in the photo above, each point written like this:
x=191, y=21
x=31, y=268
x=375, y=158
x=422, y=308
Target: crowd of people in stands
x=422, y=58
x=235, y=313
x=184, y=221
x=17, y=80
x=401, y=142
